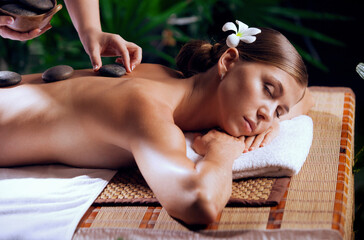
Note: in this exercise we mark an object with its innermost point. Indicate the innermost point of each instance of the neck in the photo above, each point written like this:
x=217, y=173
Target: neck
x=197, y=110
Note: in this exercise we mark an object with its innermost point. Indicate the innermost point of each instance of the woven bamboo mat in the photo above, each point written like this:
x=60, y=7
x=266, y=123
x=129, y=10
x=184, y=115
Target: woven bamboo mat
x=318, y=203
x=129, y=187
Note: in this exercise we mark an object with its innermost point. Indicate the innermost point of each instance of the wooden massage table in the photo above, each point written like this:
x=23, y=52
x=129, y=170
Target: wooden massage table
x=317, y=203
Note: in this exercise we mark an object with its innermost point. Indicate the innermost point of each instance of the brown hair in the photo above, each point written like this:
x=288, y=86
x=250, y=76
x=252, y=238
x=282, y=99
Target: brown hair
x=270, y=47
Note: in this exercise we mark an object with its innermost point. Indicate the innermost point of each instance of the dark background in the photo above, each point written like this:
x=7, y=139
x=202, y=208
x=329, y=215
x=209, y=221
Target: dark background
x=342, y=62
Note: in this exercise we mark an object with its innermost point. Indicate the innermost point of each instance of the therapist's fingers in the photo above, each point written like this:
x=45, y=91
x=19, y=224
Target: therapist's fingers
x=46, y=28
x=95, y=58
x=126, y=57
x=135, y=53
x=6, y=32
x=125, y=60
x=6, y=20
x=119, y=48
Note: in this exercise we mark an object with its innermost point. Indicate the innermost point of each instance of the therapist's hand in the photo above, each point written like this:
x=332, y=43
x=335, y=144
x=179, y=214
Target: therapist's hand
x=6, y=32
x=99, y=44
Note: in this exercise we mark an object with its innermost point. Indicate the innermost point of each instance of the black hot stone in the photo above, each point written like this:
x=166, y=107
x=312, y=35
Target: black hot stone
x=57, y=73
x=112, y=70
x=18, y=9
x=43, y=5
x=8, y=78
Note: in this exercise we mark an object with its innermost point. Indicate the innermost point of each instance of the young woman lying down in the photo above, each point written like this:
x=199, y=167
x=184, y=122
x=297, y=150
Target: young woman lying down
x=238, y=90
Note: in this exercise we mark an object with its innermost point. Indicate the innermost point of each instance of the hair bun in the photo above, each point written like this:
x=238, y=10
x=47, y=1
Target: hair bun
x=196, y=56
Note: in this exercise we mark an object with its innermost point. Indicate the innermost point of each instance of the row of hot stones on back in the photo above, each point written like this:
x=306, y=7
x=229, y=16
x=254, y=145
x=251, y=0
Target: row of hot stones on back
x=60, y=72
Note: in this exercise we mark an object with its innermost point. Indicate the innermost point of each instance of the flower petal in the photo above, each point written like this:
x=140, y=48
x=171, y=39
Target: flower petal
x=229, y=26
x=248, y=39
x=252, y=31
x=242, y=26
x=232, y=40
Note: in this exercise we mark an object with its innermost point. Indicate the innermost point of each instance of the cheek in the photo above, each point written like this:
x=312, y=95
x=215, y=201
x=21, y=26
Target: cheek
x=226, y=110
x=226, y=97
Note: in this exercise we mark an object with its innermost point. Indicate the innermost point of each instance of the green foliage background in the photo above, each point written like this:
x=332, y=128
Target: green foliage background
x=143, y=22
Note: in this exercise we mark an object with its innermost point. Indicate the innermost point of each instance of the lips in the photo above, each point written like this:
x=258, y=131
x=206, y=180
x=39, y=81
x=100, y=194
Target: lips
x=252, y=125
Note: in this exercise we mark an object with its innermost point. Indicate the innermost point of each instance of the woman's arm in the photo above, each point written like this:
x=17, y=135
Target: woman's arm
x=193, y=193
x=86, y=19
x=84, y=14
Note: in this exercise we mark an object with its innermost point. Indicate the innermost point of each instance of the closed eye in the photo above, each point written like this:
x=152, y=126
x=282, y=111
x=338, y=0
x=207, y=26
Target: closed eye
x=268, y=89
x=280, y=111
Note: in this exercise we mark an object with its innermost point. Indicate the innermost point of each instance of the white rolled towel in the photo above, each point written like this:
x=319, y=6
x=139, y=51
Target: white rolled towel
x=284, y=156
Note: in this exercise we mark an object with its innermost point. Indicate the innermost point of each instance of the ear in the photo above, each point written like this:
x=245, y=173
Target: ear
x=227, y=61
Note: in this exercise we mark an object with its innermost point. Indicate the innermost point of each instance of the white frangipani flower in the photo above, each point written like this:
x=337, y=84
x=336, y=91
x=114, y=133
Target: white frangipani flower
x=245, y=33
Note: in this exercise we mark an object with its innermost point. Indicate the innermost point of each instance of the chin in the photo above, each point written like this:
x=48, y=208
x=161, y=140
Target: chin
x=250, y=133
x=238, y=133
x=232, y=132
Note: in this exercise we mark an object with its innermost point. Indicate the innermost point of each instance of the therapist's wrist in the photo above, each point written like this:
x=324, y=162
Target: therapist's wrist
x=86, y=32
x=88, y=29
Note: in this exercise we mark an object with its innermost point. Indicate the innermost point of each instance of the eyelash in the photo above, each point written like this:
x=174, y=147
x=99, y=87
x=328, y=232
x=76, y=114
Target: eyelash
x=271, y=95
x=268, y=90
x=277, y=113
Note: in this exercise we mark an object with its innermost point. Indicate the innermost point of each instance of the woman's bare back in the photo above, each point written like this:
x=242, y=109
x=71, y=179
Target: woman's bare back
x=84, y=121
x=91, y=121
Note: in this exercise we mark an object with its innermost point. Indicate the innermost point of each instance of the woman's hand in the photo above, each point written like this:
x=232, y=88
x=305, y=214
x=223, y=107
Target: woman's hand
x=227, y=145
x=262, y=139
x=99, y=44
x=6, y=32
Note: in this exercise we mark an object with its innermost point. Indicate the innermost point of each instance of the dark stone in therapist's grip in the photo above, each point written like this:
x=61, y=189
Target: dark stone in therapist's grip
x=112, y=70
x=8, y=78
x=57, y=73
x=43, y=5
x=18, y=9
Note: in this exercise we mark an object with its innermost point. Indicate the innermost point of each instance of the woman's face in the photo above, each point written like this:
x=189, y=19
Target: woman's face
x=252, y=96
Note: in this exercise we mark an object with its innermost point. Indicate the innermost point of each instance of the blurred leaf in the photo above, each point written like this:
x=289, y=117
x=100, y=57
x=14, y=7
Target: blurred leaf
x=156, y=20
x=143, y=22
x=357, y=163
x=163, y=55
x=180, y=35
x=149, y=39
x=308, y=58
x=107, y=14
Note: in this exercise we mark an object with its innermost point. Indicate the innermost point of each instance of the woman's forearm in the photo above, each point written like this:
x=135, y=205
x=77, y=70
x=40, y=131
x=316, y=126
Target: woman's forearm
x=214, y=173
x=192, y=192
x=200, y=192
x=211, y=177
x=85, y=14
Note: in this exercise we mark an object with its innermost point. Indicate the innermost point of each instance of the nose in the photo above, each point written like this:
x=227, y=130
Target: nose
x=266, y=112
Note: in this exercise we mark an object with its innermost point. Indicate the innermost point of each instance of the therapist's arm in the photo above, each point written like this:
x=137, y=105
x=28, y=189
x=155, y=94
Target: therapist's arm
x=85, y=16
